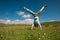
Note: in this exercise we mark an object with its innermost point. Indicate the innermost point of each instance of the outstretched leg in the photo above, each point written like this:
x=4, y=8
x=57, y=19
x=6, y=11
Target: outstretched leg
x=32, y=26
x=40, y=26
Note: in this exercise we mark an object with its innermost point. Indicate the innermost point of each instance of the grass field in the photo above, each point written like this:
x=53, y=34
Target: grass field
x=50, y=31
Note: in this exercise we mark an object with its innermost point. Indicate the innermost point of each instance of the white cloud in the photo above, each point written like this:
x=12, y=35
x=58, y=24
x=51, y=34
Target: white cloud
x=26, y=16
x=26, y=21
x=5, y=21
x=17, y=21
x=20, y=13
x=51, y=20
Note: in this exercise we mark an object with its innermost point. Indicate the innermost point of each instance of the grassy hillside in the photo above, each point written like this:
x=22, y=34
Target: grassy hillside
x=50, y=31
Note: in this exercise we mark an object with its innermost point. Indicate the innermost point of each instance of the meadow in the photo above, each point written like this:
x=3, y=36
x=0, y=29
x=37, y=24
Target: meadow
x=50, y=31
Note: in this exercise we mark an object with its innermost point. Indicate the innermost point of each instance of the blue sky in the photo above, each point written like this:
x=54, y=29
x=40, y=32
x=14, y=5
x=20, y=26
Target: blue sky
x=9, y=9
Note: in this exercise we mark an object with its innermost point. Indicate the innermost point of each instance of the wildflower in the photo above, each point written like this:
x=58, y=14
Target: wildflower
x=39, y=38
x=44, y=33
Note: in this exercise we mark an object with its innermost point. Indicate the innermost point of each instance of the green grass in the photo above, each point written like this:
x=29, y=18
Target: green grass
x=50, y=31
